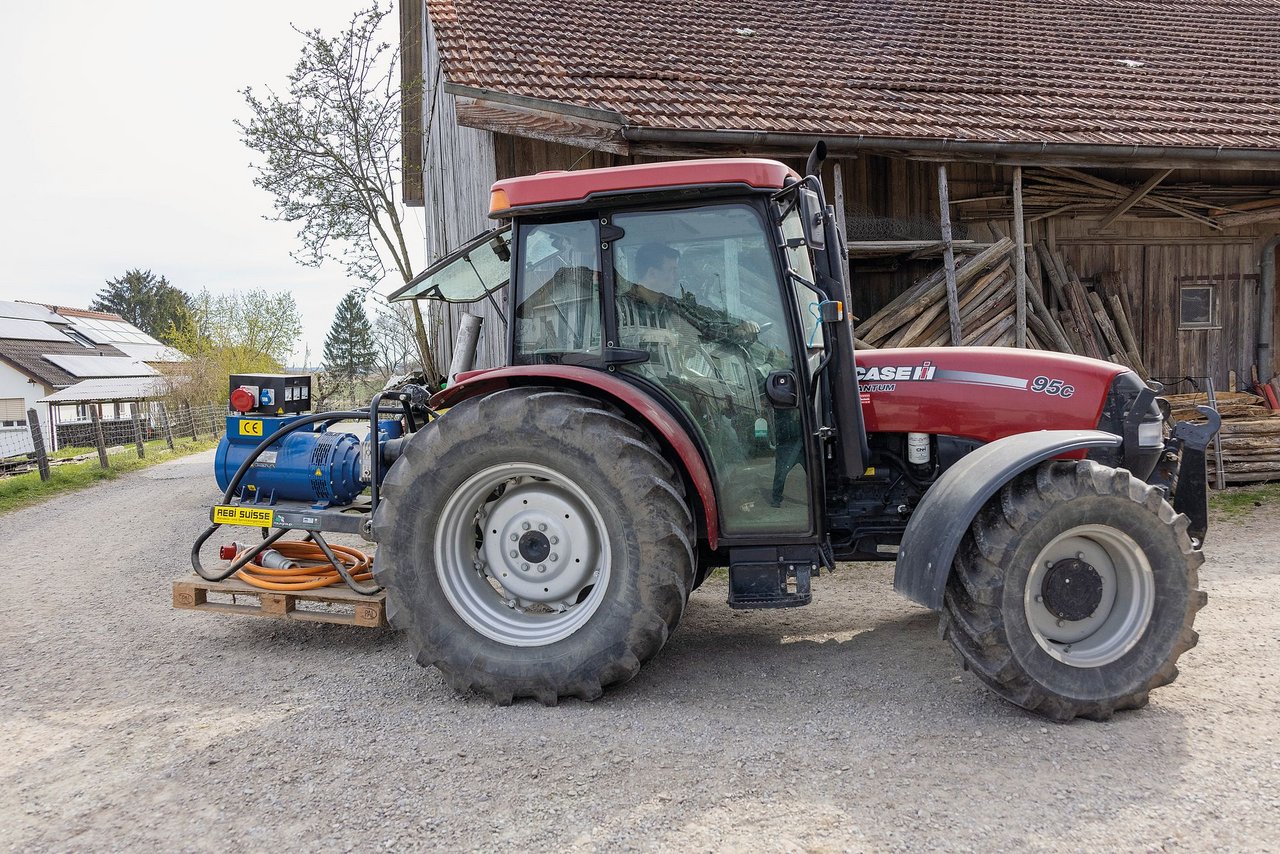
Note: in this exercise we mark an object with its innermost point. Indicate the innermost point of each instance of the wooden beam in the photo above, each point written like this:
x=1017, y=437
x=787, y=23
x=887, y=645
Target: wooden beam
x=1103, y=184
x=412, y=84
x=541, y=124
x=837, y=180
x=949, y=255
x=1107, y=240
x=1134, y=197
x=1019, y=259
x=1250, y=218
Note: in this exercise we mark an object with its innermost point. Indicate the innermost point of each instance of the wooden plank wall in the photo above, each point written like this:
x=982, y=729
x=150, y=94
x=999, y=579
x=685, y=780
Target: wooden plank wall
x=458, y=170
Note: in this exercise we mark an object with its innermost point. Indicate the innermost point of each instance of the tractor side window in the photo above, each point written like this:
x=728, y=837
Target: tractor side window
x=799, y=263
x=699, y=290
x=558, y=301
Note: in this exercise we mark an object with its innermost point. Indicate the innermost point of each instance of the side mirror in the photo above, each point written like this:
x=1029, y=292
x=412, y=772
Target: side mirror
x=813, y=218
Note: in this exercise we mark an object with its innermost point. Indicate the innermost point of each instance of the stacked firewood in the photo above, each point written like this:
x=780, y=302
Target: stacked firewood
x=1092, y=323
x=920, y=317
x=1249, y=441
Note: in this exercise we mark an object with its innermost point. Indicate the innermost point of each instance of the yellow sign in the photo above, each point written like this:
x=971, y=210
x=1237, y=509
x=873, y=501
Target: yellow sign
x=250, y=428
x=226, y=514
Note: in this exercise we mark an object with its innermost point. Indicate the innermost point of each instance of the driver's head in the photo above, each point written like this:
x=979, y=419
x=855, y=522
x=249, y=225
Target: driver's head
x=657, y=266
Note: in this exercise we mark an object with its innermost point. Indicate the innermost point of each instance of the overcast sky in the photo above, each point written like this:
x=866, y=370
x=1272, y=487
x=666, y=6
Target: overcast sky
x=119, y=149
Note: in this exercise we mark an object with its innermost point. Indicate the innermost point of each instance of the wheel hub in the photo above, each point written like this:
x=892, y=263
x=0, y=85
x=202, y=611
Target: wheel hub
x=534, y=546
x=522, y=554
x=1072, y=589
x=539, y=544
x=1089, y=595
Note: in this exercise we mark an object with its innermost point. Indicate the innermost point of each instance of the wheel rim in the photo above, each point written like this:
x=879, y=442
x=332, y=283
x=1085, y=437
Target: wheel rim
x=522, y=554
x=1090, y=595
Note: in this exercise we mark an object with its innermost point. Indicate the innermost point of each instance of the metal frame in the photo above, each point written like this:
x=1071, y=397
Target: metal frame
x=290, y=516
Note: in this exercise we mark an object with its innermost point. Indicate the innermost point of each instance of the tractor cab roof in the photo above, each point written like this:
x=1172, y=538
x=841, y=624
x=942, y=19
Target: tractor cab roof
x=549, y=191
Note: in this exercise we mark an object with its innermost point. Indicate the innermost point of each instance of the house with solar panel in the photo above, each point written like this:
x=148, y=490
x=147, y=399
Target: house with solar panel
x=62, y=361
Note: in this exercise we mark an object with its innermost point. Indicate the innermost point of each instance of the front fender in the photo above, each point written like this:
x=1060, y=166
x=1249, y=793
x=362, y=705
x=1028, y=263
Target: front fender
x=940, y=520
x=608, y=386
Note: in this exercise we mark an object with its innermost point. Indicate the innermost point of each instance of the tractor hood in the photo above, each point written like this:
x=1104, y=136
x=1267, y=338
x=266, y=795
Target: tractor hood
x=983, y=393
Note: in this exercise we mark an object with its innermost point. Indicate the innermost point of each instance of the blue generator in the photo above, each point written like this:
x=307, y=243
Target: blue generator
x=325, y=464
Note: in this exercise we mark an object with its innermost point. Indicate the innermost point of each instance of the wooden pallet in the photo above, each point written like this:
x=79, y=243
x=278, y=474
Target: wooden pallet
x=349, y=607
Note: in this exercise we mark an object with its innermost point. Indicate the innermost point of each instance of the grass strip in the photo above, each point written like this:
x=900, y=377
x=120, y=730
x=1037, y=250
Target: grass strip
x=1236, y=501
x=24, y=490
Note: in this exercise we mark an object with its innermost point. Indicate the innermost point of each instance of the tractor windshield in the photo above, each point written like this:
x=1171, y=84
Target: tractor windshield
x=468, y=274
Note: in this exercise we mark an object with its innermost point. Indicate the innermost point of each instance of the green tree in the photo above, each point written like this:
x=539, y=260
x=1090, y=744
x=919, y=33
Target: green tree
x=240, y=332
x=147, y=301
x=330, y=145
x=349, y=351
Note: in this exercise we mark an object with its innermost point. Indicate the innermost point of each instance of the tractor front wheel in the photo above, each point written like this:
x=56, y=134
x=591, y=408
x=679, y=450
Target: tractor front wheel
x=534, y=543
x=1074, y=592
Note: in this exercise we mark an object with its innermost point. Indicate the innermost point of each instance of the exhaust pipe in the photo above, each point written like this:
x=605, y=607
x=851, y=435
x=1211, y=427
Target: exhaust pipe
x=464, y=348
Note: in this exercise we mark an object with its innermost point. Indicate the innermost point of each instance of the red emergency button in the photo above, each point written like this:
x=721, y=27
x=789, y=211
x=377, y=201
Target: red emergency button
x=243, y=400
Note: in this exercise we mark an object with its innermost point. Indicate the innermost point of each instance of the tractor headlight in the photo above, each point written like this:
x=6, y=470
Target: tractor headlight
x=1150, y=434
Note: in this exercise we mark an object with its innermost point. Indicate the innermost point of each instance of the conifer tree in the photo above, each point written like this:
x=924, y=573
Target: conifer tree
x=349, y=350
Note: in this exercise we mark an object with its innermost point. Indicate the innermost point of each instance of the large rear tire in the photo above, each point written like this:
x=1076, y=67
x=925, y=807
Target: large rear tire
x=1074, y=592
x=534, y=543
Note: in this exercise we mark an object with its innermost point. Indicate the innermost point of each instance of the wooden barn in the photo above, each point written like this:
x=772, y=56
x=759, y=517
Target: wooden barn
x=1133, y=146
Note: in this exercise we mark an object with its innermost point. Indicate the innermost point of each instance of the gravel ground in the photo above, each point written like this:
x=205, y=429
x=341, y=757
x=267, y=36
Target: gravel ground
x=846, y=725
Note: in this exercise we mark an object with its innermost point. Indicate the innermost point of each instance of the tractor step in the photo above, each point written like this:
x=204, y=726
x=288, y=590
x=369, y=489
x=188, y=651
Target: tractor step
x=340, y=605
x=772, y=576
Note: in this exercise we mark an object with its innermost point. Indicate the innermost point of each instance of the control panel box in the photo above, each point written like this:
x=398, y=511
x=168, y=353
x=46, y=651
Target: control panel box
x=270, y=394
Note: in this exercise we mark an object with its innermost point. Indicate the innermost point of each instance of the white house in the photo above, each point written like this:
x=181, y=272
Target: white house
x=54, y=350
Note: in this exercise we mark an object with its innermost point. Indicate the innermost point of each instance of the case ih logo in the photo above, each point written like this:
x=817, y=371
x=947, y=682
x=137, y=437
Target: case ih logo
x=896, y=373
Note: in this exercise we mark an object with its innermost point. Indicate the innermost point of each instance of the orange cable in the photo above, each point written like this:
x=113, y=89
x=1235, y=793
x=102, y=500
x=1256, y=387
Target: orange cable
x=314, y=570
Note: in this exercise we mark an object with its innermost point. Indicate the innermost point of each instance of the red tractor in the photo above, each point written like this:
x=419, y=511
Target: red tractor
x=682, y=392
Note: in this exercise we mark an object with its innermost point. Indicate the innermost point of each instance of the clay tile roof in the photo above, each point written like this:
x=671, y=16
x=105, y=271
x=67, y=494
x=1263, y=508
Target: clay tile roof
x=1129, y=72
x=66, y=311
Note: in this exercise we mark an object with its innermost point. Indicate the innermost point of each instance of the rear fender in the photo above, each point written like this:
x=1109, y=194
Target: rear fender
x=933, y=534
x=607, y=387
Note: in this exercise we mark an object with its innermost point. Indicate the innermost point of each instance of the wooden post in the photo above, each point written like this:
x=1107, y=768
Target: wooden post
x=213, y=421
x=99, y=438
x=837, y=180
x=37, y=439
x=166, y=426
x=191, y=419
x=1020, y=258
x=949, y=255
x=137, y=432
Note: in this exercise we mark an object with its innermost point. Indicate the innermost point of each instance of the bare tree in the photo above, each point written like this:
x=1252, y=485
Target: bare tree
x=393, y=337
x=331, y=149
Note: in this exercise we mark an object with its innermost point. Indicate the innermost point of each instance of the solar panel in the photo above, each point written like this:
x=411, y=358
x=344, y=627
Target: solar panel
x=29, y=330
x=100, y=366
x=27, y=311
x=97, y=336
x=112, y=331
x=150, y=352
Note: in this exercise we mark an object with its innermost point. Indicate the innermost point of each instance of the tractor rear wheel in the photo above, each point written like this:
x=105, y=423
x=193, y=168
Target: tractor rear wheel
x=534, y=543
x=1074, y=592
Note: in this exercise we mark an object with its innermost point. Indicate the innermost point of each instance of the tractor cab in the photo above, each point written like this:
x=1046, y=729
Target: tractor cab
x=694, y=282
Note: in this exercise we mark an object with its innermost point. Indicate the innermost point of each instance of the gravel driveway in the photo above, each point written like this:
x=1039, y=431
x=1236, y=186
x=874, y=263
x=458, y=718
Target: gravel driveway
x=846, y=725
